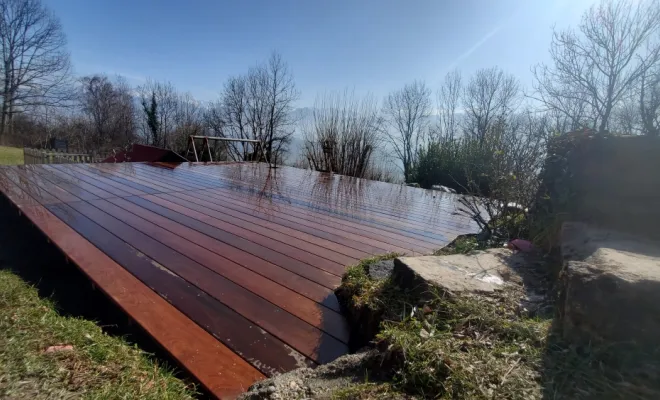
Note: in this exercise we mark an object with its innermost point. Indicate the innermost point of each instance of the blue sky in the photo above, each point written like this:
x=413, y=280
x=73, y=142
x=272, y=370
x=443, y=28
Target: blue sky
x=369, y=45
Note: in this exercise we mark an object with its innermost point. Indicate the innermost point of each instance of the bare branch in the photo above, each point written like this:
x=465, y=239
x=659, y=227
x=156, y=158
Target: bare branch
x=407, y=112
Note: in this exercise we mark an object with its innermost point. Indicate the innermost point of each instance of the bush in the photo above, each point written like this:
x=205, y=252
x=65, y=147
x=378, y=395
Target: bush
x=458, y=164
x=499, y=171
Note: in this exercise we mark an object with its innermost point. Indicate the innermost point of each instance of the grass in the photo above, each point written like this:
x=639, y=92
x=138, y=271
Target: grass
x=462, y=245
x=11, y=155
x=468, y=348
x=95, y=365
x=367, y=293
x=485, y=347
x=369, y=391
x=476, y=347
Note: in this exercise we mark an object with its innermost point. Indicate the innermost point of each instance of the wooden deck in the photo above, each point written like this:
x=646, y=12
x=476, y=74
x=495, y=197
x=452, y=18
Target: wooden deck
x=230, y=267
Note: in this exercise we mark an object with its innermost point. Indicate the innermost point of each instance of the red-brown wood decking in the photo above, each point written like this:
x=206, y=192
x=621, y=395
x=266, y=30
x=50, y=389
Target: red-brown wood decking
x=231, y=267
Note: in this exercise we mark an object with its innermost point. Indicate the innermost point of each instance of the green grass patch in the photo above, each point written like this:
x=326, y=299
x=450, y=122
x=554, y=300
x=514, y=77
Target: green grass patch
x=367, y=293
x=462, y=245
x=11, y=155
x=93, y=365
x=458, y=347
x=467, y=348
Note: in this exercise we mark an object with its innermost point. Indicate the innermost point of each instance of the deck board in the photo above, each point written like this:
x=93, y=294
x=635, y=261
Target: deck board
x=241, y=260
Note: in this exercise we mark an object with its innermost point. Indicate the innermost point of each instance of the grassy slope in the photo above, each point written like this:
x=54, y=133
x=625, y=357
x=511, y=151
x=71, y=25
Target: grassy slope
x=475, y=347
x=10, y=155
x=98, y=366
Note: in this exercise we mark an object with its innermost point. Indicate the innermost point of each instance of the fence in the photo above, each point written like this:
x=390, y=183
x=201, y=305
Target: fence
x=36, y=156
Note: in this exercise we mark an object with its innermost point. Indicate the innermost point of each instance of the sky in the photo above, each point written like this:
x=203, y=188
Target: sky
x=370, y=46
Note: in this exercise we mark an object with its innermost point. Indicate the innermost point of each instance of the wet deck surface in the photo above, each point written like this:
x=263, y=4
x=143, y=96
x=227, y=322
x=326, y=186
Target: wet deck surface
x=231, y=267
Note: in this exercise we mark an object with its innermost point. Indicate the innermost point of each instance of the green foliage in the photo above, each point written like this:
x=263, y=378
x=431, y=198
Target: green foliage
x=462, y=245
x=461, y=164
x=96, y=365
x=151, y=111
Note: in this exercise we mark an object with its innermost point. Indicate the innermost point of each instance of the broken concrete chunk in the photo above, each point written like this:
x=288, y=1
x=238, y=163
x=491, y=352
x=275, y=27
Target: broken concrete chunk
x=381, y=269
x=610, y=286
x=477, y=272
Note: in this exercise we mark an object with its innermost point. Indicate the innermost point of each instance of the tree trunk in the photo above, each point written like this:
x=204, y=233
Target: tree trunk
x=3, y=118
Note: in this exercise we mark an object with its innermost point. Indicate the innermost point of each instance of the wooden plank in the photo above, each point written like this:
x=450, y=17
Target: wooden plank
x=170, y=176
x=206, y=225
x=379, y=196
x=308, y=203
x=12, y=191
x=387, y=232
x=67, y=173
x=325, y=248
x=60, y=194
x=278, y=245
x=344, y=238
x=397, y=209
x=77, y=171
x=313, y=313
x=117, y=179
x=29, y=187
x=128, y=171
x=273, y=231
x=289, y=211
x=221, y=371
x=301, y=336
x=101, y=193
x=75, y=190
x=304, y=286
x=234, y=330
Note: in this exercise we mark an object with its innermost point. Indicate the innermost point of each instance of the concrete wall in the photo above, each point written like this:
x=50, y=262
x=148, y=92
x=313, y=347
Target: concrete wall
x=615, y=183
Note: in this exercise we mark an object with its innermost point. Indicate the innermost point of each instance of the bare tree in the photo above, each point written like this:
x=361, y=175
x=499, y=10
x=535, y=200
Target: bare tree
x=342, y=134
x=279, y=93
x=407, y=112
x=257, y=106
x=188, y=120
x=160, y=100
x=649, y=101
x=228, y=117
x=626, y=114
x=125, y=111
x=448, y=98
x=516, y=148
x=598, y=65
x=35, y=64
x=490, y=97
x=109, y=108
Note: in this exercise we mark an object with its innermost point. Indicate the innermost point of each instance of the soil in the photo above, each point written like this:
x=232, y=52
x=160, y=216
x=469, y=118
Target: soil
x=319, y=383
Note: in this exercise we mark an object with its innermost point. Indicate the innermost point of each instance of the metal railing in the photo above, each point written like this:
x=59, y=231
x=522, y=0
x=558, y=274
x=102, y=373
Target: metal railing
x=192, y=154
